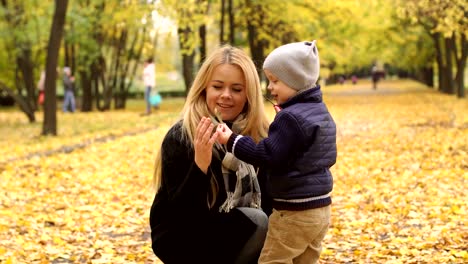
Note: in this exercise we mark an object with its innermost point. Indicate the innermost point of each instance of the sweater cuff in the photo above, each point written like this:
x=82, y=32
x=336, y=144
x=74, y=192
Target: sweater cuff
x=231, y=142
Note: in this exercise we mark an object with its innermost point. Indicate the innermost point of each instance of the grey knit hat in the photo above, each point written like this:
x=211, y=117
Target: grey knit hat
x=296, y=64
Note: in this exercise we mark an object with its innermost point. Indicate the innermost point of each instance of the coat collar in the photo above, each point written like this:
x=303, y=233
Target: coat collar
x=312, y=95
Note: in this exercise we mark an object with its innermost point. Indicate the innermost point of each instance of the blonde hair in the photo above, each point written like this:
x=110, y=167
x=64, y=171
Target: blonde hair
x=195, y=106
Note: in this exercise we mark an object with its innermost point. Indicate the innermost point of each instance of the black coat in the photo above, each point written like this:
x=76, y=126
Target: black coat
x=183, y=228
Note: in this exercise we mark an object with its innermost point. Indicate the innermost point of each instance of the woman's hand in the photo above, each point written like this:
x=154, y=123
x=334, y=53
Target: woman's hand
x=203, y=143
x=224, y=132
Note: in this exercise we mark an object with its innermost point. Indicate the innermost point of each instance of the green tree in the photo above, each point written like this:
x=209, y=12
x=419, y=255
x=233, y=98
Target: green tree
x=445, y=21
x=109, y=38
x=23, y=43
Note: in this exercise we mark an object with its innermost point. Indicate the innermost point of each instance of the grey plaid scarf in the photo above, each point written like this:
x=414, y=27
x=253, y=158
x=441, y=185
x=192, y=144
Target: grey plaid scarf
x=247, y=189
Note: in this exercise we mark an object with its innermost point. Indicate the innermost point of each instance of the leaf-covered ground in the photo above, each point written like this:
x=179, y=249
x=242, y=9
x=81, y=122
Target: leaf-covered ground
x=399, y=193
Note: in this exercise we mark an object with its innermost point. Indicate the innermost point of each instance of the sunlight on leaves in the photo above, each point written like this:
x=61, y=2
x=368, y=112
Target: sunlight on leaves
x=399, y=194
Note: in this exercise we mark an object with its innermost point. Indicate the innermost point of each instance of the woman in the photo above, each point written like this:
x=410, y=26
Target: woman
x=188, y=218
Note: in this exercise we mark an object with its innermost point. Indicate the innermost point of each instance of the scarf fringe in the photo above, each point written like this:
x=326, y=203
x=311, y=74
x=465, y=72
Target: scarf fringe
x=228, y=204
x=246, y=191
x=254, y=202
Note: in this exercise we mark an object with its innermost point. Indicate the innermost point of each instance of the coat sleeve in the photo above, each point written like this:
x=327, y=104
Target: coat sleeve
x=186, y=185
x=282, y=143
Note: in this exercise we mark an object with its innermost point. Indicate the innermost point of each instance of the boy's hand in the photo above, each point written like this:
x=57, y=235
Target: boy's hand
x=224, y=132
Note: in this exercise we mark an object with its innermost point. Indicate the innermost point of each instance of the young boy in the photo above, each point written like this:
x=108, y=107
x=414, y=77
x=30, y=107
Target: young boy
x=299, y=151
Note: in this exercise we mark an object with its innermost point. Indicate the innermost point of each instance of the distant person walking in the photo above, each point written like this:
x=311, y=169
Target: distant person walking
x=149, y=79
x=375, y=76
x=69, y=93
x=341, y=80
x=41, y=89
x=354, y=79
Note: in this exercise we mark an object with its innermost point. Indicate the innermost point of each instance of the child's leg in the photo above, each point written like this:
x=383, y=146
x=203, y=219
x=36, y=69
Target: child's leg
x=285, y=237
x=313, y=250
x=290, y=235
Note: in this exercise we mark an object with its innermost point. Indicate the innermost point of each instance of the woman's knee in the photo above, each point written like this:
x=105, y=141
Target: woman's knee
x=257, y=216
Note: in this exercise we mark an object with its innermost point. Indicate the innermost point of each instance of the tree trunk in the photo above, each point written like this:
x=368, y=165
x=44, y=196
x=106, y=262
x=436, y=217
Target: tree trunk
x=460, y=58
x=95, y=82
x=221, y=22
x=130, y=52
x=428, y=76
x=111, y=80
x=202, y=35
x=70, y=61
x=20, y=101
x=440, y=61
x=73, y=56
x=232, y=26
x=90, y=76
x=98, y=75
x=13, y=13
x=50, y=103
x=256, y=45
x=187, y=62
x=87, y=96
x=449, y=51
x=113, y=83
x=187, y=57
x=67, y=53
x=137, y=58
x=26, y=67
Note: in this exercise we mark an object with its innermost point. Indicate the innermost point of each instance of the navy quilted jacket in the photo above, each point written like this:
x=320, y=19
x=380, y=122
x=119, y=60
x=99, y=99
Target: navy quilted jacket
x=299, y=151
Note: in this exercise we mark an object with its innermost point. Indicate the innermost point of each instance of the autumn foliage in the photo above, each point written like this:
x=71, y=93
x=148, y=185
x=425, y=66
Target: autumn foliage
x=399, y=195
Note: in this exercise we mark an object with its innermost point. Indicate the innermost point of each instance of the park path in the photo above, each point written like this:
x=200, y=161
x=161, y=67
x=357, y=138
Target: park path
x=70, y=148
x=384, y=87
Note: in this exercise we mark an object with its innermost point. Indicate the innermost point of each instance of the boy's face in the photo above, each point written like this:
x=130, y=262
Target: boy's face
x=280, y=91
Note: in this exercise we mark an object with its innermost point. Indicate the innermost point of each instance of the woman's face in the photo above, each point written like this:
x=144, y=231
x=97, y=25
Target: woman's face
x=226, y=91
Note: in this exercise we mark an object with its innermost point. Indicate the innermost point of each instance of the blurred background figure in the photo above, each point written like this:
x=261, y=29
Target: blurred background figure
x=375, y=76
x=341, y=80
x=41, y=89
x=354, y=79
x=149, y=79
x=68, y=87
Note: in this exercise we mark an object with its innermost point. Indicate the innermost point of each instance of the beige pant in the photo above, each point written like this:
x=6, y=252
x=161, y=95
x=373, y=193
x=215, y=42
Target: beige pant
x=295, y=236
